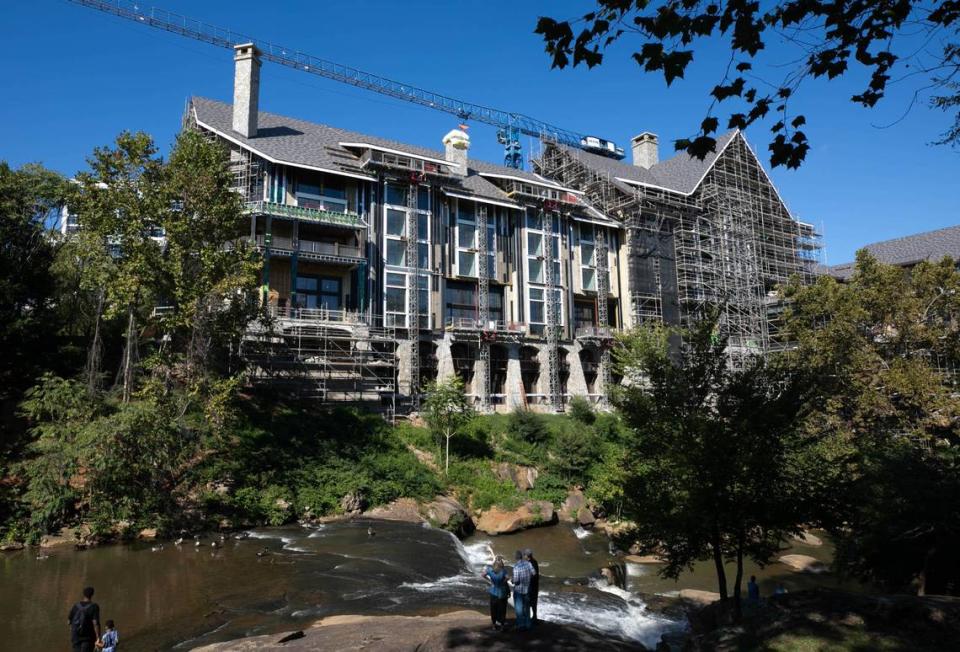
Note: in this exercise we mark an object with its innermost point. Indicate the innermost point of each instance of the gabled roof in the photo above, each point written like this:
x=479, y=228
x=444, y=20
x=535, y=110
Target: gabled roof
x=908, y=250
x=682, y=173
x=281, y=139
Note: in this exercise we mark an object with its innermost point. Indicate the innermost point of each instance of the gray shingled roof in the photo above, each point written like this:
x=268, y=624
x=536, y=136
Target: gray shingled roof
x=909, y=250
x=299, y=142
x=680, y=173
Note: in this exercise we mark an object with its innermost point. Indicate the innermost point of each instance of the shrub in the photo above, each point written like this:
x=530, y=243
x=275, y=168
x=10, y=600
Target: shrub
x=476, y=483
x=574, y=446
x=527, y=426
x=581, y=410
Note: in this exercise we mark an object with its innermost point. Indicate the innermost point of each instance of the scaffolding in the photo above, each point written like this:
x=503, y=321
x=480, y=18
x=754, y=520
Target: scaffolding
x=413, y=290
x=603, y=318
x=725, y=247
x=327, y=356
x=482, y=385
x=552, y=316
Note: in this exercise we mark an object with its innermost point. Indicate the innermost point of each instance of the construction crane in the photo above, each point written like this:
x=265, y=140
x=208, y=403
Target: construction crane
x=510, y=126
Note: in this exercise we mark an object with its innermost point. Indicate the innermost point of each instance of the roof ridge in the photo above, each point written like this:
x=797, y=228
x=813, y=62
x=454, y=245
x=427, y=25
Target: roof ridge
x=912, y=236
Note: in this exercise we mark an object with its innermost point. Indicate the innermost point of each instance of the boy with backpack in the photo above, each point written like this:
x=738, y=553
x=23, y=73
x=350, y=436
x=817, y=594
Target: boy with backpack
x=84, y=622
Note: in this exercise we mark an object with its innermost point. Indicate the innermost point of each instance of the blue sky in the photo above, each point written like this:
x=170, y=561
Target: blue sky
x=77, y=78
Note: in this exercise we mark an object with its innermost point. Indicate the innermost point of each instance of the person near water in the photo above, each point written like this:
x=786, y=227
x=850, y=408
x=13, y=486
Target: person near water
x=753, y=591
x=522, y=574
x=496, y=574
x=84, y=622
x=110, y=638
x=534, y=584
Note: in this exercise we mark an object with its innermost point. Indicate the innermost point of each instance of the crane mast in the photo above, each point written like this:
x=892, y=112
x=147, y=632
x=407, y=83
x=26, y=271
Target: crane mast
x=510, y=126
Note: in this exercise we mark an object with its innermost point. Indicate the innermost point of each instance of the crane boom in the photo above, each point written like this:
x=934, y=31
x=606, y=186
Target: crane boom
x=509, y=124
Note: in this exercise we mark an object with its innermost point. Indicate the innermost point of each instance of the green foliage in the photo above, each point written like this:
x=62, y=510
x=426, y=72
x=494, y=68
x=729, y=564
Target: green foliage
x=571, y=452
x=581, y=410
x=878, y=346
x=446, y=410
x=709, y=471
x=835, y=41
x=527, y=426
x=475, y=482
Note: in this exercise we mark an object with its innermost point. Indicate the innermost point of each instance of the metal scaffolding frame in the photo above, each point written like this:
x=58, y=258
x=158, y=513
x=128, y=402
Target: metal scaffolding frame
x=413, y=290
x=726, y=246
x=482, y=384
x=552, y=318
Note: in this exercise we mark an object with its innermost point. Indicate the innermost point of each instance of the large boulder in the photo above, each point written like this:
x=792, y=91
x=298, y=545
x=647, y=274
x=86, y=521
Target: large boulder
x=803, y=564
x=585, y=518
x=574, y=502
x=522, y=477
x=532, y=513
x=698, y=597
x=401, y=509
x=808, y=539
x=353, y=503
x=447, y=513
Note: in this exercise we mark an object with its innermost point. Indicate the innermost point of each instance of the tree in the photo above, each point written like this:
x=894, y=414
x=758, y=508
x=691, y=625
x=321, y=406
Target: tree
x=120, y=203
x=713, y=469
x=27, y=289
x=885, y=349
x=446, y=410
x=891, y=39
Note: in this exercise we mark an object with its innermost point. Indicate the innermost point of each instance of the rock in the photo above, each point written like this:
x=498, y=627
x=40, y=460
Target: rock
x=522, y=477
x=574, y=502
x=644, y=559
x=808, y=539
x=353, y=503
x=615, y=529
x=585, y=518
x=402, y=509
x=282, y=504
x=11, y=546
x=803, y=564
x=698, y=597
x=533, y=513
x=615, y=574
x=447, y=513
x=147, y=533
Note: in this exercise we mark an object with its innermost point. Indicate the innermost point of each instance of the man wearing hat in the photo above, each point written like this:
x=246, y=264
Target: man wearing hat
x=534, y=584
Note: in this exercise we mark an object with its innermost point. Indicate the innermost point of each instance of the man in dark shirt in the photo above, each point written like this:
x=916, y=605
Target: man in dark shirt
x=534, y=584
x=84, y=622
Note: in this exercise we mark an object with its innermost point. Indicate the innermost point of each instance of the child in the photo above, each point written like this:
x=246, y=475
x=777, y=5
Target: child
x=110, y=638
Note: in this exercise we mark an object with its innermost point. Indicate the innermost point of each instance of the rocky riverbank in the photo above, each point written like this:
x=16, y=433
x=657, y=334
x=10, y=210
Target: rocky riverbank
x=465, y=631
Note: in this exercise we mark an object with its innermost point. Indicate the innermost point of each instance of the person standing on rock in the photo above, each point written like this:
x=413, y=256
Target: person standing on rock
x=84, y=622
x=522, y=574
x=497, y=576
x=534, y=585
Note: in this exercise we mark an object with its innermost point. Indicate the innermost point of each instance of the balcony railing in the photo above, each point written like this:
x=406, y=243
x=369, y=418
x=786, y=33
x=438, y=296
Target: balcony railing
x=594, y=332
x=316, y=315
x=492, y=326
x=311, y=248
x=333, y=218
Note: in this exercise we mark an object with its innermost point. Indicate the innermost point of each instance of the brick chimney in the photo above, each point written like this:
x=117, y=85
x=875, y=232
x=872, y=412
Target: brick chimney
x=457, y=142
x=246, y=89
x=646, y=151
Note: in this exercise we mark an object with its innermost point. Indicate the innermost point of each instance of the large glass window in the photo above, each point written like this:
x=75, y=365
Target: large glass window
x=542, y=244
x=395, y=234
x=468, y=239
x=330, y=194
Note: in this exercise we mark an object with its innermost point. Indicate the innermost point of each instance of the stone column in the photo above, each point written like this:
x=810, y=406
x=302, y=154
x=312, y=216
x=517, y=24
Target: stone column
x=403, y=368
x=445, y=369
x=514, y=382
x=577, y=382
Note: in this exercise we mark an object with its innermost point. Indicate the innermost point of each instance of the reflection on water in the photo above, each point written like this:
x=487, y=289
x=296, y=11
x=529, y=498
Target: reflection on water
x=184, y=596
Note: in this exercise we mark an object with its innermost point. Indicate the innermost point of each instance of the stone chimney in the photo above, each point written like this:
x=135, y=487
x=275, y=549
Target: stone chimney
x=246, y=89
x=457, y=142
x=646, y=152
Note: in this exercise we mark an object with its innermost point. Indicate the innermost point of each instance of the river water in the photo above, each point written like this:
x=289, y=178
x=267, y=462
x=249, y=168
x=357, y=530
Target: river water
x=185, y=596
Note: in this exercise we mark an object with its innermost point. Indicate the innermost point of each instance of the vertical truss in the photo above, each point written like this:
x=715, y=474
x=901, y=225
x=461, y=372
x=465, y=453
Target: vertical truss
x=482, y=384
x=603, y=319
x=413, y=292
x=554, y=399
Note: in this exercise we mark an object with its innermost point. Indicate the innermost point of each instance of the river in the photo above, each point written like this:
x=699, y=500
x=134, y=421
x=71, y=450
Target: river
x=184, y=596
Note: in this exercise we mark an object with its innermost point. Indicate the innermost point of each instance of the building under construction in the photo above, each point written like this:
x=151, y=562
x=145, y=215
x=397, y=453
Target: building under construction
x=389, y=265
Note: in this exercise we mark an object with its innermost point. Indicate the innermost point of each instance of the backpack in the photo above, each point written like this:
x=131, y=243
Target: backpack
x=82, y=622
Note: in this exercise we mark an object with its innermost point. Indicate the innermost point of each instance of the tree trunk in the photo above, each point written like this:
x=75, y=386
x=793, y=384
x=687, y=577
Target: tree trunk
x=718, y=562
x=95, y=351
x=446, y=466
x=128, y=357
x=737, y=609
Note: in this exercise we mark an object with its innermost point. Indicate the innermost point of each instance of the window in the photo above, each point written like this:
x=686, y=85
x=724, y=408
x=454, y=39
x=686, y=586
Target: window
x=543, y=248
x=318, y=292
x=588, y=258
x=330, y=195
x=468, y=239
x=395, y=234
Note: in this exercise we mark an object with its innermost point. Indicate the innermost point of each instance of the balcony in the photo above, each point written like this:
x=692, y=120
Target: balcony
x=492, y=328
x=594, y=333
x=333, y=252
x=315, y=215
x=316, y=315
